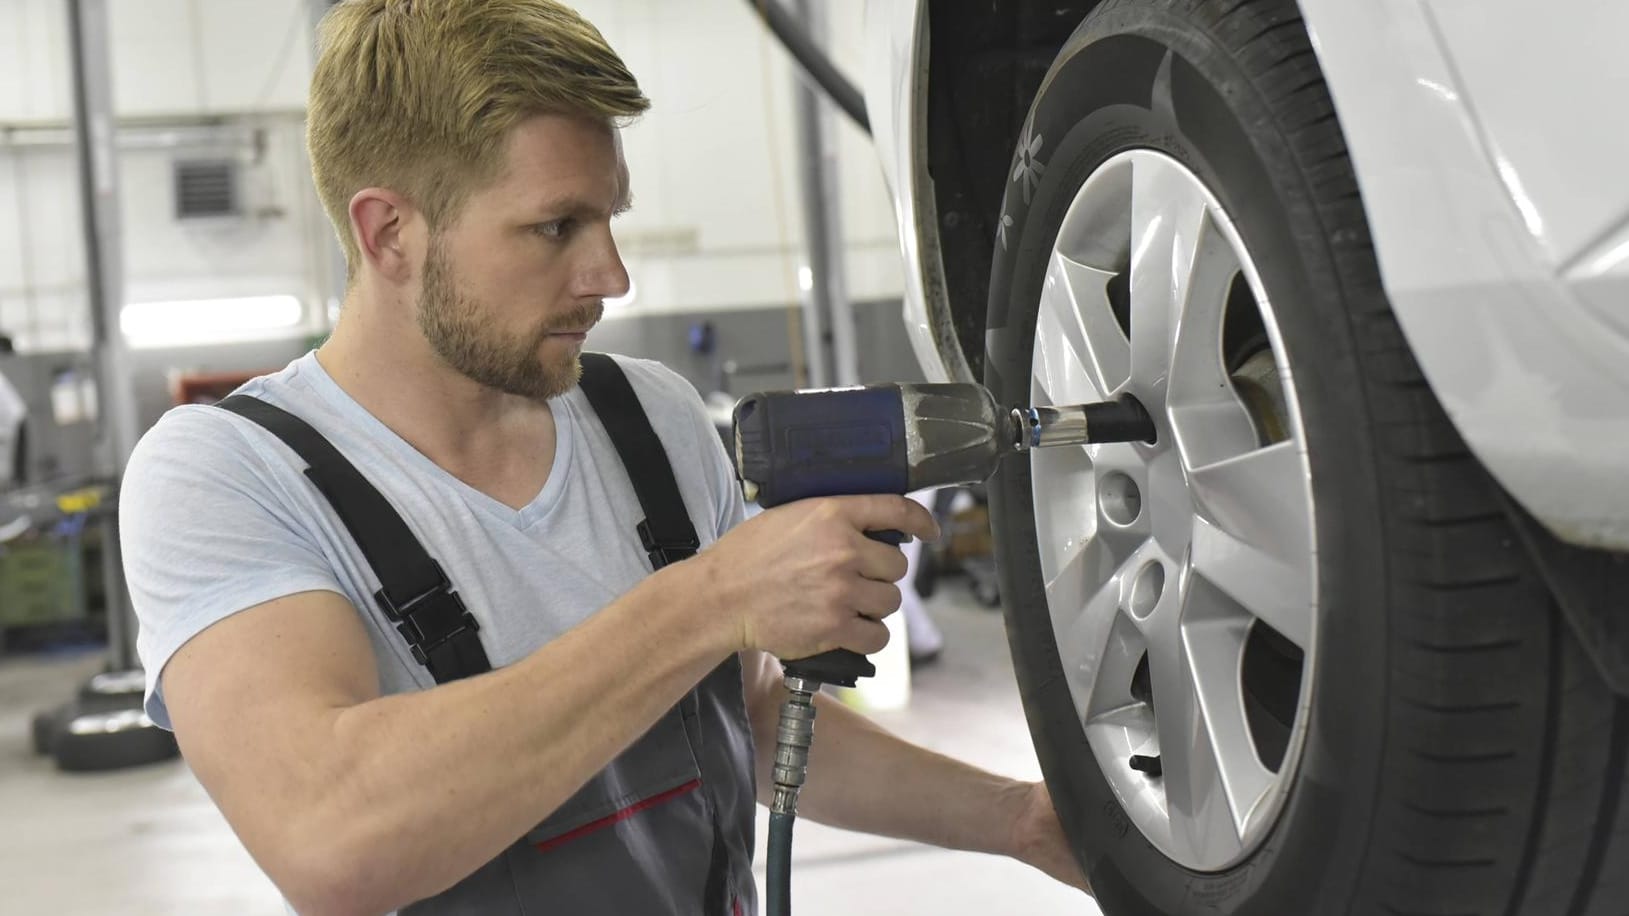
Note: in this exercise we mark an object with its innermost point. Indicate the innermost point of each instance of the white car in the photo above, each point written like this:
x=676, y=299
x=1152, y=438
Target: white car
x=1352, y=637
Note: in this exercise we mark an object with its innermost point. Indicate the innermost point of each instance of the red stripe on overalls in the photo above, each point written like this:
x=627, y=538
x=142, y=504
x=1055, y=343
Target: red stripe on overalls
x=618, y=816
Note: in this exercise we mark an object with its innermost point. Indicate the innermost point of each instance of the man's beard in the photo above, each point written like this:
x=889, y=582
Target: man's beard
x=462, y=333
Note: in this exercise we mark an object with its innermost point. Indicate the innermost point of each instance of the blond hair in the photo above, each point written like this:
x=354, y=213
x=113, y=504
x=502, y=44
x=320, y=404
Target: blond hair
x=419, y=96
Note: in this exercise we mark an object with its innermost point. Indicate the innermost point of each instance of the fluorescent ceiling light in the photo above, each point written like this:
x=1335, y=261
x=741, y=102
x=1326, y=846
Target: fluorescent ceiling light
x=190, y=321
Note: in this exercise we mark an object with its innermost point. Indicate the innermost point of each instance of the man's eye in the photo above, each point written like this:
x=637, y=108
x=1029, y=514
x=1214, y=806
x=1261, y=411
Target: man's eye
x=555, y=228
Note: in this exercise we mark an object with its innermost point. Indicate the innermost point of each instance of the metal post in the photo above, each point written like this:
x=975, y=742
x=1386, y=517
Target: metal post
x=828, y=314
x=94, y=148
x=840, y=310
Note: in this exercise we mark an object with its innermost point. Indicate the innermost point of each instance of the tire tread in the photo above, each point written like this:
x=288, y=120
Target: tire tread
x=1457, y=542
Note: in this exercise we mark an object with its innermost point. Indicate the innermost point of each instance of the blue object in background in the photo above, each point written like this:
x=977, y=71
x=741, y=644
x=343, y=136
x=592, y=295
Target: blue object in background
x=703, y=337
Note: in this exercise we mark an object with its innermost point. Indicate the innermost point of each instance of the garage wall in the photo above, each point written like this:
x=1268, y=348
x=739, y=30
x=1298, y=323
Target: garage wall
x=192, y=79
x=752, y=351
x=718, y=219
x=170, y=57
x=717, y=223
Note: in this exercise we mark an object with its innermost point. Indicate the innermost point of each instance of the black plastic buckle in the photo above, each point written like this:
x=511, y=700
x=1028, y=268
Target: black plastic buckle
x=668, y=550
x=428, y=621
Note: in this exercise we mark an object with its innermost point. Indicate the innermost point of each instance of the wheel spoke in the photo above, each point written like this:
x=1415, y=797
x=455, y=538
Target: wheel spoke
x=1207, y=416
x=1076, y=325
x=1215, y=637
x=1278, y=592
x=1063, y=370
x=1065, y=506
x=1135, y=719
x=1100, y=645
x=1198, y=374
x=1167, y=214
x=1121, y=653
x=1074, y=578
x=1094, y=636
x=1212, y=430
x=1262, y=498
x=1195, y=796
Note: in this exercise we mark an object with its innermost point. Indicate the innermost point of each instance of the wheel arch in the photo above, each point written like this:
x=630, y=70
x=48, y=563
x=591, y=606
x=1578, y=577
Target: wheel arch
x=984, y=66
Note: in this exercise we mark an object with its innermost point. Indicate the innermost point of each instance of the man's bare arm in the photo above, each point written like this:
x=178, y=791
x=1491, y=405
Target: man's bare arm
x=863, y=778
x=356, y=803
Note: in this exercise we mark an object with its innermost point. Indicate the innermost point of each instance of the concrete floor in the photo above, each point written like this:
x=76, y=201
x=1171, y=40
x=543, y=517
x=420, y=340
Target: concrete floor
x=148, y=842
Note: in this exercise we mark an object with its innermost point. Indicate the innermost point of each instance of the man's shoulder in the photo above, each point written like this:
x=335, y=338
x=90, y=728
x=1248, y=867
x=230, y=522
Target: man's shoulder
x=200, y=436
x=189, y=432
x=675, y=410
x=694, y=450
x=655, y=382
x=214, y=426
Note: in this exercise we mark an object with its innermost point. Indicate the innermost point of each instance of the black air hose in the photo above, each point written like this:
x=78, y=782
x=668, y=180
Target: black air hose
x=778, y=884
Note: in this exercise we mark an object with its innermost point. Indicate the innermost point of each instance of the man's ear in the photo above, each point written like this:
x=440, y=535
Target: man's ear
x=379, y=217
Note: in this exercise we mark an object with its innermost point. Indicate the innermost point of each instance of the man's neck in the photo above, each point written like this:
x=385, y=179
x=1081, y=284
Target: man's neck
x=470, y=430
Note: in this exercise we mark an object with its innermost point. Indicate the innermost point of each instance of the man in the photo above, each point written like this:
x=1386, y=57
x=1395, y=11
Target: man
x=468, y=154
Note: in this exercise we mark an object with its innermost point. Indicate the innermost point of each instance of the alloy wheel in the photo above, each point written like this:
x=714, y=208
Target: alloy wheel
x=1180, y=576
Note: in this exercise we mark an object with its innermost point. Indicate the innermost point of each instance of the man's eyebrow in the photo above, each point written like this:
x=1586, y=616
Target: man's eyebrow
x=572, y=205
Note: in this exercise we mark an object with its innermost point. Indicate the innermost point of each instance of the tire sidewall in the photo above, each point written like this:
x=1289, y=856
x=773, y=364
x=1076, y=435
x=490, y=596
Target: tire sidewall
x=1098, y=100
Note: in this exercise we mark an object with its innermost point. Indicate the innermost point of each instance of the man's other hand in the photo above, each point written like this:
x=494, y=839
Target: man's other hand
x=1038, y=838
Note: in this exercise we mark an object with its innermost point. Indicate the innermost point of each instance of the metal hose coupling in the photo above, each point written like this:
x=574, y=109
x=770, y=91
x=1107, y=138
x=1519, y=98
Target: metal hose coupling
x=792, y=739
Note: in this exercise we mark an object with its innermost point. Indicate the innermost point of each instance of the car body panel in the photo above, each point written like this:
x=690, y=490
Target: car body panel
x=895, y=80
x=1490, y=236
x=1488, y=154
x=1546, y=93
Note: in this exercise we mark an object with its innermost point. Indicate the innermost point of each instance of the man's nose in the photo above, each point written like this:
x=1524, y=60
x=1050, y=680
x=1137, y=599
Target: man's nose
x=606, y=276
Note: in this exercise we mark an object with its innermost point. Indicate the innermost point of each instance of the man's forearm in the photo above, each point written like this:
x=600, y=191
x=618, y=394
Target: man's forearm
x=424, y=788
x=863, y=778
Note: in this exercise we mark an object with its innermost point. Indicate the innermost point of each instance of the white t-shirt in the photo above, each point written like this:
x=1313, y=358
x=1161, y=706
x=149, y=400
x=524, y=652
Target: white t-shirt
x=216, y=516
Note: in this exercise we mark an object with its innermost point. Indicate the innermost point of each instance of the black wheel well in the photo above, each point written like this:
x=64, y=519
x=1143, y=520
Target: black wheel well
x=985, y=62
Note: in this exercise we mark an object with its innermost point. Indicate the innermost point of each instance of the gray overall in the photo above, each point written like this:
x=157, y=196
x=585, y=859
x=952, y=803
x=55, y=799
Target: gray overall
x=666, y=827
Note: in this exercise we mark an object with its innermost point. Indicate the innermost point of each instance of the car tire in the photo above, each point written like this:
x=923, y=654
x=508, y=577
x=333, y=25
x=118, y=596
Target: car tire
x=120, y=688
x=43, y=729
x=120, y=750
x=107, y=732
x=1458, y=753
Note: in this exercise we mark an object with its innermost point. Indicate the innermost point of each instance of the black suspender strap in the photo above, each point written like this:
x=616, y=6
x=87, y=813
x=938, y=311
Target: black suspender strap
x=415, y=593
x=666, y=532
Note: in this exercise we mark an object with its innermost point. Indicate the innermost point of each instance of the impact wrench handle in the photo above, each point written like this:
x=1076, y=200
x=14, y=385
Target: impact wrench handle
x=840, y=666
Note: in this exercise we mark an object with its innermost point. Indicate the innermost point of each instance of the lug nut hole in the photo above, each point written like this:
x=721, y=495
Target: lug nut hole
x=1121, y=500
x=1146, y=589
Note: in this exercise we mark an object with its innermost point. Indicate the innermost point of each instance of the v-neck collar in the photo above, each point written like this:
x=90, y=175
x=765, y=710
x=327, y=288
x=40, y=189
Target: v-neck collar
x=349, y=409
